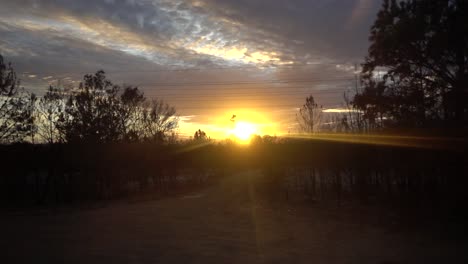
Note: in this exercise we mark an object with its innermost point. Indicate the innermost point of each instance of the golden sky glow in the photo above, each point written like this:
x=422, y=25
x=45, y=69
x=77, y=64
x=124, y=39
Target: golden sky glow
x=177, y=42
x=244, y=131
x=248, y=122
x=237, y=54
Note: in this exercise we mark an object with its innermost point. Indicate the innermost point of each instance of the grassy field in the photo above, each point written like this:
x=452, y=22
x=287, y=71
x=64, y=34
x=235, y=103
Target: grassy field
x=229, y=222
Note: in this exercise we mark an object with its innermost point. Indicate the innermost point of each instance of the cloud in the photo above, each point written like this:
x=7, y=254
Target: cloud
x=164, y=32
x=339, y=110
x=222, y=31
x=322, y=29
x=146, y=42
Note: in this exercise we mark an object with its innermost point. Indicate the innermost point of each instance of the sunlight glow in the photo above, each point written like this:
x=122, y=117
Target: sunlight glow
x=244, y=131
x=239, y=54
x=386, y=140
x=222, y=126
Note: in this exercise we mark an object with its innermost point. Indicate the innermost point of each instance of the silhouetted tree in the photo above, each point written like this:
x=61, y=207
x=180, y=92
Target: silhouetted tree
x=131, y=114
x=310, y=116
x=336, y=122
x=158, y=120
x=421, y=48
x=92, y=112
x=49, y=109
x=15, y=107
x=352, y=120
x=200, y=135
x=30, y=122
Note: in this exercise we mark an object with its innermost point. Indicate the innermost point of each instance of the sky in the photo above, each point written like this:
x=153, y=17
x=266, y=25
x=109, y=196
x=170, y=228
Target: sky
x=211, y=59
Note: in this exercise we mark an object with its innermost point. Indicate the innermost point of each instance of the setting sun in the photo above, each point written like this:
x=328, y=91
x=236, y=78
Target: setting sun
x=243, y=131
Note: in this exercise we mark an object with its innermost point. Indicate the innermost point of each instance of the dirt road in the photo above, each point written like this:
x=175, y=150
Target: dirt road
x=226, y=223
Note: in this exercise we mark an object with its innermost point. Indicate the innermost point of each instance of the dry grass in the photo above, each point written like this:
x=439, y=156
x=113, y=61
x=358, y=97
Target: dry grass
x=226, y=223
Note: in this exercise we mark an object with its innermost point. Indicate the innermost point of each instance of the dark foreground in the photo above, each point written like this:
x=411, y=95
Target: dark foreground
x=227, y=223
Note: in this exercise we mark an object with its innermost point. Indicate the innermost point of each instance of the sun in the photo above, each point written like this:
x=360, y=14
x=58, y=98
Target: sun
x=244, y=131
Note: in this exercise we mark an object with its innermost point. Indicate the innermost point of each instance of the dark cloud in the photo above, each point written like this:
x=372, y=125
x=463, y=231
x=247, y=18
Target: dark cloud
x=295, y=30
x=334, y=29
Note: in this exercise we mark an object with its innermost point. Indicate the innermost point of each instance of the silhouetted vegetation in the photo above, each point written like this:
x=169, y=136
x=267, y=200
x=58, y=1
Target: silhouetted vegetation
x=310, y=116
x=200, y=136
x=416, y=72
x=96, y=172
x=407, y=177
x=16, y=120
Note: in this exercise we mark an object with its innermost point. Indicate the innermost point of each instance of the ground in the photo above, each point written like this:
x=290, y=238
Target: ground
x=225, y=223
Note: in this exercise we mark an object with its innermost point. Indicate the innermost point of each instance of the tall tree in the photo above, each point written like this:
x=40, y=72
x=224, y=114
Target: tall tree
x=131, y=114
x=15, y=106
x=92, y=112
x=98, y=112
x=421, y=49
x=309, y=117
x=49, y=109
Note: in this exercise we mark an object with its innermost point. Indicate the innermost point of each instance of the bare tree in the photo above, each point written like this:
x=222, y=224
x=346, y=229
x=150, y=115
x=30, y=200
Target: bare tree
x=353, y=120
x=159, y=119
x=48, y=111
x=131, y=113
x=310, y=115
x=15, y=106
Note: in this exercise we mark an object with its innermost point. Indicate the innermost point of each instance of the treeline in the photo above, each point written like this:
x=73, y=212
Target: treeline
x=414, y=77
x=416, y=72
x=285, y=168
x=103, y=141
x=106, y=141
x=97, y=111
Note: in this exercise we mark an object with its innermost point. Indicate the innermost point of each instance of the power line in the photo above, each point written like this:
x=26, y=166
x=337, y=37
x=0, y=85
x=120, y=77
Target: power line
x=228, y=100
x=283, y=67
x=277, y=89
x=242, y=99
x=214, y=85
x=248, y=98
x=277, y=81
x=271, y=106
x=269, y=90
